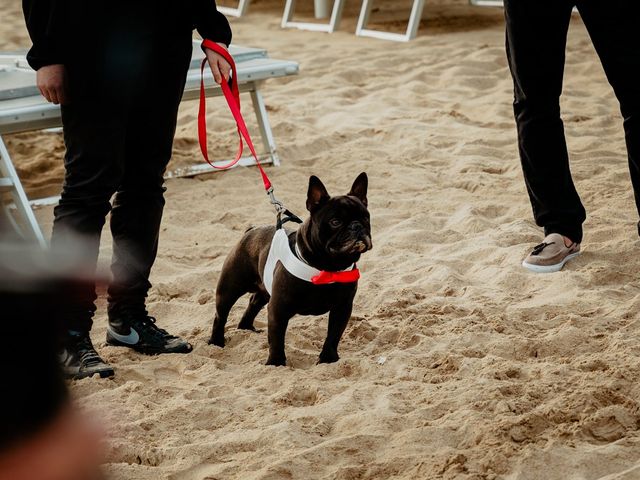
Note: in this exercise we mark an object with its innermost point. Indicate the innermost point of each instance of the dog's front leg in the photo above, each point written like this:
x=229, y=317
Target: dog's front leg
x=278, y=320
x=338, y=319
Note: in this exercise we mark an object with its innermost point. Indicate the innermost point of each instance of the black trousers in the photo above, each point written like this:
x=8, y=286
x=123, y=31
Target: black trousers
x=118, y=131
x=536, y=41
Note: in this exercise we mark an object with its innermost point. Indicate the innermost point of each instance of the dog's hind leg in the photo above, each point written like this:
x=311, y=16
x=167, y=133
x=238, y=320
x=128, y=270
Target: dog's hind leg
x=227, y=294
x=257, y=301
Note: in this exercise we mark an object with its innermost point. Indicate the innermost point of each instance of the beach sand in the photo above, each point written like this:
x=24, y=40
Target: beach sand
x=457, y=363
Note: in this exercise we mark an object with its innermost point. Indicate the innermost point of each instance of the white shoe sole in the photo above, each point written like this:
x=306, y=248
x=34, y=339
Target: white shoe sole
x=549, y=268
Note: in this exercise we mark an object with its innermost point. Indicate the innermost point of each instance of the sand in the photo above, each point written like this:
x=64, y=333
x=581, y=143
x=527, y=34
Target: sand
x=457, y=363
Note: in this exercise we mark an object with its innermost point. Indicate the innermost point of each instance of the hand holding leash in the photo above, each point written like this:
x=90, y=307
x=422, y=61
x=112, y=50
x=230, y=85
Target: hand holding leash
x=220, y=67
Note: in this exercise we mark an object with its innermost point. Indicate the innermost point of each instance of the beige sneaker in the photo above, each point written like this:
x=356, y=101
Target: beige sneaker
x=551, y=254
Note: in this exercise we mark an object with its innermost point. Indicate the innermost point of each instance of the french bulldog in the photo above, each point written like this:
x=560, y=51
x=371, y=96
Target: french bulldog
x=325, y=247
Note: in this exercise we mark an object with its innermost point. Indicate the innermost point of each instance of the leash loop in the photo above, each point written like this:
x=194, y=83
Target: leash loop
x=231, y=94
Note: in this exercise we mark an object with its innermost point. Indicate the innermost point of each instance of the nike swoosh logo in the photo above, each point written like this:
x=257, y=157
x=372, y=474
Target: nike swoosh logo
x=131, y=339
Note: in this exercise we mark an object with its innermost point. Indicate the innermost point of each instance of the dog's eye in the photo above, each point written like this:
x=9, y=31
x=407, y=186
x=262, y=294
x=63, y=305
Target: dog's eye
x=335, y=223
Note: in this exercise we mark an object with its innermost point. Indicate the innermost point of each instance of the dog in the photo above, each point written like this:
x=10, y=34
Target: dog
x=310, y=271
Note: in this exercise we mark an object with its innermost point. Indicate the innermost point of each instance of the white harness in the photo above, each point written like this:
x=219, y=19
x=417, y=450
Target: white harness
x=280, y=251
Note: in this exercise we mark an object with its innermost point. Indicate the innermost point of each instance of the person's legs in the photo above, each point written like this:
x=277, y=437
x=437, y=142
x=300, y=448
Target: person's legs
x=139, y=201
x=536, y=41
x=613, y=27
x=94, y=139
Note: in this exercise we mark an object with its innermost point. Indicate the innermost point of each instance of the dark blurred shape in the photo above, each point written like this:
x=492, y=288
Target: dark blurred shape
x=31, y=376
x=42, y=436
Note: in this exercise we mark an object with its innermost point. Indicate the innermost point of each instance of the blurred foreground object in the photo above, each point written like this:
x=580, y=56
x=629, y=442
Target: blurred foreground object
x=43, y=436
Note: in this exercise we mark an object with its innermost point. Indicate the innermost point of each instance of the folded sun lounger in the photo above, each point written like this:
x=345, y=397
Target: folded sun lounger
x=412, y=27
x=487, y=3
x=239, y=11
x=23, y=109
x=321, y=9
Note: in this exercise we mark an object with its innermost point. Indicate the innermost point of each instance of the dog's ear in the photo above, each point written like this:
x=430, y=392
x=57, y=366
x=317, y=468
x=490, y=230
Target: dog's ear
x=317, y=194
x=359, y=188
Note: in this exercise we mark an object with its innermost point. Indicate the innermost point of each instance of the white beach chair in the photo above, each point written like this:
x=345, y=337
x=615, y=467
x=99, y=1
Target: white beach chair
x=239, y=11
x=18, y=212
x=321, y=10
x=487, y=3
x=23, y=109
x=412, y=27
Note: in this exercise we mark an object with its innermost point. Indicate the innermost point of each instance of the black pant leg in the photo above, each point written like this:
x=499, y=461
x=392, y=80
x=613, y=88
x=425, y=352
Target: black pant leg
x=139, y=201
x=536, y=42
x=94, y=138
x=614, y=27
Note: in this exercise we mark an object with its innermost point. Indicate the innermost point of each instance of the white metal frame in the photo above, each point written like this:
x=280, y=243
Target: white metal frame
x=10, y=183
x=332, y=26
x=243, y=5
x=412, y=26
x=487, y=3
x=239, y=11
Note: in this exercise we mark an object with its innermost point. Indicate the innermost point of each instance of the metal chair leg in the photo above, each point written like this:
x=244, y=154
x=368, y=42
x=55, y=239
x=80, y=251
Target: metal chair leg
x=265, y=127
x=8, y=171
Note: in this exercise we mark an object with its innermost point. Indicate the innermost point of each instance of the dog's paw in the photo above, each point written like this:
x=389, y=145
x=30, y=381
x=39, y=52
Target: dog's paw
x=328, y=358
x=218, y=341
x=276, y=361
x=251, y=328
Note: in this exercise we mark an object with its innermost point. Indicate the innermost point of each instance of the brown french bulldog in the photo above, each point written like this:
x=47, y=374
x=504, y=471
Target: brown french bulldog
x=310, y=271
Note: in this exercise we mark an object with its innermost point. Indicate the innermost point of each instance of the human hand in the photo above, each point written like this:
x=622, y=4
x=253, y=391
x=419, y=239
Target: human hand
x=219, y=66
x=52, y=83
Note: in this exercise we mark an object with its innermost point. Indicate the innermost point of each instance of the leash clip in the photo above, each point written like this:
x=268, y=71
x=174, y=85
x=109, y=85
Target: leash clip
x=277, y=204
x=281, y=210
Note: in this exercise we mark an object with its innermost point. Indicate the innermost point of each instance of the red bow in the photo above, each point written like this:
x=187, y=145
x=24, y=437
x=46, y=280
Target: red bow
x=349, y=276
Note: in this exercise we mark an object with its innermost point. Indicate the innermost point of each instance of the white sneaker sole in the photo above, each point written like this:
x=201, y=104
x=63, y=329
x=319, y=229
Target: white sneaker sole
x=549, y=268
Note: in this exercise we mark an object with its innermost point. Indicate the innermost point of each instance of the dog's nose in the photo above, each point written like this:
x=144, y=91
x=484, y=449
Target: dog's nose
x=358, y=229
x=367, y=241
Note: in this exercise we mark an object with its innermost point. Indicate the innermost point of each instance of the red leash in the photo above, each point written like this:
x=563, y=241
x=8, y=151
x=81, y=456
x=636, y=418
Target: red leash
x=232, y=95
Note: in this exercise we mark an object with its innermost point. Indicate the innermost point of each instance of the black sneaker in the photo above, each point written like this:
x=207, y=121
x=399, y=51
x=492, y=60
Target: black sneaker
x=141, y=333
x=80, y=359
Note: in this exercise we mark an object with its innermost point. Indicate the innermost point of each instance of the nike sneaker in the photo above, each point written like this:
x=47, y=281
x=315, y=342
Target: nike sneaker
x=80, y=359
x=141, y=333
